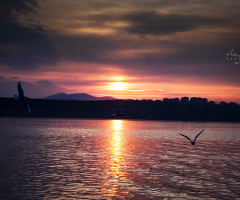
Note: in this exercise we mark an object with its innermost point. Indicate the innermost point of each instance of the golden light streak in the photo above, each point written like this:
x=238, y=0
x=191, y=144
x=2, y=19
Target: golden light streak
x=117, y=162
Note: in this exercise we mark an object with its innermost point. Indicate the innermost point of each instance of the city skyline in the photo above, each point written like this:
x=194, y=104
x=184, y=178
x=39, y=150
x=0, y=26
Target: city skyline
x=127, y=50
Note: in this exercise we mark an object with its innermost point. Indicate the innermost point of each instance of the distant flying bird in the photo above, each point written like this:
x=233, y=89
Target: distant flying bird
x=119, y=112
x=192, y=141
x=22, y=98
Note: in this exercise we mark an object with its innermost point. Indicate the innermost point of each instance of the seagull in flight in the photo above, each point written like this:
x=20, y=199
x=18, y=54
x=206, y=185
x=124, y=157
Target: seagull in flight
x=21, y=97
x=192, y=141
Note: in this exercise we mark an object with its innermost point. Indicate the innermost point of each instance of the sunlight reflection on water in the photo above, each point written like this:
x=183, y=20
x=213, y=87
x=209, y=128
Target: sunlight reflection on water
x=105, y=159
x=116, y=163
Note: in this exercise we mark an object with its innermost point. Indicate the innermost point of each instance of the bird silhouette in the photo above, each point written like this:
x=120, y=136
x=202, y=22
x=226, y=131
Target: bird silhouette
x=22, y=98
x=193, y=142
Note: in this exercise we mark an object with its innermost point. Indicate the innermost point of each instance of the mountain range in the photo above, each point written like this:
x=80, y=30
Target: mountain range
x=77, y=96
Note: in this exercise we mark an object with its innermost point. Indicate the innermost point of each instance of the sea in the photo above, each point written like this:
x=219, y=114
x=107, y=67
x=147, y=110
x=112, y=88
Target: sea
x=45, y=158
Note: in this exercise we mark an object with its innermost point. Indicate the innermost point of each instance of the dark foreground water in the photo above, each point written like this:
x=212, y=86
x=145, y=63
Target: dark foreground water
x=118, y=159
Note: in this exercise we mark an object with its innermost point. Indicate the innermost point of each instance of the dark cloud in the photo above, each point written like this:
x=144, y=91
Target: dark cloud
x=153, y=23
x=23, y=47
x=10, y=7
x=158, y=24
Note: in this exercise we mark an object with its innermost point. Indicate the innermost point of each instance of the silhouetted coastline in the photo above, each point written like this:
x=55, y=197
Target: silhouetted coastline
x=133, y=109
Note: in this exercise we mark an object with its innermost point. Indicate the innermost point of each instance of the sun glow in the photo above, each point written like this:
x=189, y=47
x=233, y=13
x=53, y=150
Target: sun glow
x=117, y=86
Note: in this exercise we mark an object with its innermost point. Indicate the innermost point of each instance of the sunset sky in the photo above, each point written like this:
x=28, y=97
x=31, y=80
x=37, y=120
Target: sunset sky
x=154, y=49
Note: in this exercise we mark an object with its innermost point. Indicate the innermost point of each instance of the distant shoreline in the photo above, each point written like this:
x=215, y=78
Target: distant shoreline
x=155, y=120
x=132, y=110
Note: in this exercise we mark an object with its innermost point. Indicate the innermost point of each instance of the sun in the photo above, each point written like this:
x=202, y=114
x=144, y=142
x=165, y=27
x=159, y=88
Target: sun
x=117, y=86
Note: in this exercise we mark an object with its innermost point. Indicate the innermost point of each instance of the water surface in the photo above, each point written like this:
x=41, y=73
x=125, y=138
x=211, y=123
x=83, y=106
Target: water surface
x=118, y=159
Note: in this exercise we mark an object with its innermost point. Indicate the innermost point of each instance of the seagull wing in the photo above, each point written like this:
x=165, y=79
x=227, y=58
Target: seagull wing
x=20, y=90
x=198, y=135
x=25, y=104
x=185, y=137
x=28, y=108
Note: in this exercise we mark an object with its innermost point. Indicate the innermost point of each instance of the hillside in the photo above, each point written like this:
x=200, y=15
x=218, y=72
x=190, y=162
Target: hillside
x=77, y=96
